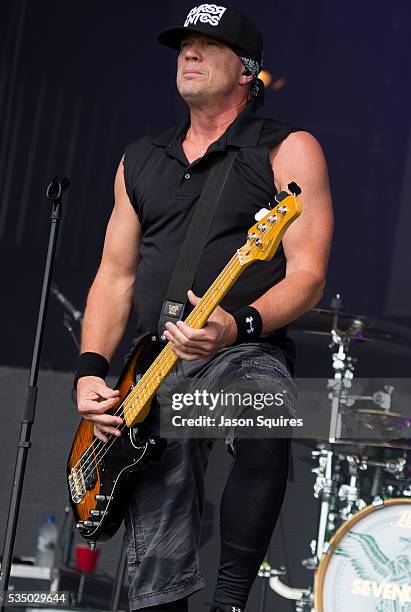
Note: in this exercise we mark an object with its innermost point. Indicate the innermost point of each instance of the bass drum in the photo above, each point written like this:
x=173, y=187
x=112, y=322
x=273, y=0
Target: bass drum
x=367, y=567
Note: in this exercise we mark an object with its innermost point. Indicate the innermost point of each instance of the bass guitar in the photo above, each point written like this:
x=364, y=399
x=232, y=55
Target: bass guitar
x=99, y=474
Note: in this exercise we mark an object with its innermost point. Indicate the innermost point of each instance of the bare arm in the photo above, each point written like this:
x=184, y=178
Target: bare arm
x=307, y=241
x=110, y=298
x=108, y=307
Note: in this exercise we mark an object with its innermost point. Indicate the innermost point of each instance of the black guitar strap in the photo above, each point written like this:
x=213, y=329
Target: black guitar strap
x=189, y=257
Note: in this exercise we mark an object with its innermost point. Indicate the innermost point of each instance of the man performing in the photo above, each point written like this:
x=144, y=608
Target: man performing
x=158, y=183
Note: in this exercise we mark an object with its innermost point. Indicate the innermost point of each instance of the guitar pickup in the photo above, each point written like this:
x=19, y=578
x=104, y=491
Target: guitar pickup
x=91, y=524
x=103, y=497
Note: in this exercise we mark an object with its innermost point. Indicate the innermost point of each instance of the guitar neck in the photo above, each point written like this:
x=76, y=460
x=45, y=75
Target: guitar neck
x=162, y=365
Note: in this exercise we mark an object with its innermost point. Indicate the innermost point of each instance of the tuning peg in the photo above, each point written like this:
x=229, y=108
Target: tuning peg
x=279, y=197
x=260, y=214
x=294, y=188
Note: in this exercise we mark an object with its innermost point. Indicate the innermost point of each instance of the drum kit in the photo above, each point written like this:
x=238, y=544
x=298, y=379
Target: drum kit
x=361, y=555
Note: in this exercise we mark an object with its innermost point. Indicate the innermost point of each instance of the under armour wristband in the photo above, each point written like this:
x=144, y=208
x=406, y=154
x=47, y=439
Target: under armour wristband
x=91, y=364
x=249, y=323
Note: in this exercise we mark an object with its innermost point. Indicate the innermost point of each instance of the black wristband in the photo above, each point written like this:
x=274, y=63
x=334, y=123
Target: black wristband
x=249, y=323
x=91, y=364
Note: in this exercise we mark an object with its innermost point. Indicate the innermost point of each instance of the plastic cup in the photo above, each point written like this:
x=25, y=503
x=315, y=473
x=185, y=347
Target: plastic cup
x=86, y=559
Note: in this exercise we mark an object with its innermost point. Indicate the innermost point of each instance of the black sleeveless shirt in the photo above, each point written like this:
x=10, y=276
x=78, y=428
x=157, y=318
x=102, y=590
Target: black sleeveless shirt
x=164, y=188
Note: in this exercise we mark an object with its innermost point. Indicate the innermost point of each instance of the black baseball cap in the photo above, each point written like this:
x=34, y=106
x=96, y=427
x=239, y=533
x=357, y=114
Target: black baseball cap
x=224, y=23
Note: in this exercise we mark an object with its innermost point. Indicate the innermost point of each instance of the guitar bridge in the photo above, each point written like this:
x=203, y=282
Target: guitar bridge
x=83, y=477
x=77, y=485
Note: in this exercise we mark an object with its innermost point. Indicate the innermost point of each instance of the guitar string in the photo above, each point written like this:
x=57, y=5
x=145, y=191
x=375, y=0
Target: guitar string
x=94, y=459
x=103, y=445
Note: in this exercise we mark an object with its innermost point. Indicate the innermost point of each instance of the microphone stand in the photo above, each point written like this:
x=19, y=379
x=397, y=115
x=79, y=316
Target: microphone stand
x=71, y=315
x=68, y=324
x=55, y=194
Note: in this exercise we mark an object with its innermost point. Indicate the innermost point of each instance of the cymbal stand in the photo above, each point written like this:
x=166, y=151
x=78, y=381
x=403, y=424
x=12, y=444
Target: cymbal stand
x=350, y=493
x=343, y=374
x=339, y=386
x=326, y=496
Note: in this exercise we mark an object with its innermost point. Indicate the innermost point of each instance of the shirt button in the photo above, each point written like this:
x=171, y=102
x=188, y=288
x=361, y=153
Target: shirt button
x=187, y=176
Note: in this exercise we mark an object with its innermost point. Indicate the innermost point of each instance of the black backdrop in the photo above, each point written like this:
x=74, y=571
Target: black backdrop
x=78, y=81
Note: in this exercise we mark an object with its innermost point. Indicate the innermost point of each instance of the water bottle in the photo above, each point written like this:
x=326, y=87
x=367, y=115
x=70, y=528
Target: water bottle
x=47, y=542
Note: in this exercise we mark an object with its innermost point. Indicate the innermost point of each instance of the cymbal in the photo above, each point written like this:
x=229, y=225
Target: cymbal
x=364, y=451
x=360, y=447
x=363, y=428
x=399, y=419
x=355, y=326
x=317, y=338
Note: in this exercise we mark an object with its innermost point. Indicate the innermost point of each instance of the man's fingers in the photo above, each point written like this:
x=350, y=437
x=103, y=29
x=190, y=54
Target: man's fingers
x=194, y=299
x=94, y=384
x=95, y=407
x=185, y=336
x=103, y=431
x=196, y=335
x=105, y=420
x=188, y=356
x=99, y=434
x=103, y=391
x=107, y=393
x=216, y=317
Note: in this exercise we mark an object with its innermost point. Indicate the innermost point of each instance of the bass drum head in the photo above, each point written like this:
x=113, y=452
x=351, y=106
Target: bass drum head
x=367, y=567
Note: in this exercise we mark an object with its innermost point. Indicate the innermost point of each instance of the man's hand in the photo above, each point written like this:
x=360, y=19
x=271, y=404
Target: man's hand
x=191, y=344
x=94, y=398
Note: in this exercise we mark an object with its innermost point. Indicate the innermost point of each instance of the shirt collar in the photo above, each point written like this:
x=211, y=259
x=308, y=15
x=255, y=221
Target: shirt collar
x=244, y=131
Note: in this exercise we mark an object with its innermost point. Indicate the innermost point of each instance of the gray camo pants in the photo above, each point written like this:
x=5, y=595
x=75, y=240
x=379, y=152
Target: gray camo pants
x=163, y=518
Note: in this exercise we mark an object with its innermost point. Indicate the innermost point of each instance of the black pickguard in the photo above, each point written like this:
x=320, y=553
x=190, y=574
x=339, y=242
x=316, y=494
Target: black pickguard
x=124, y=458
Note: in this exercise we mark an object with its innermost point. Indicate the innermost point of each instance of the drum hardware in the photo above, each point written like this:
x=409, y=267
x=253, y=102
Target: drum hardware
x=394, y=467
x=379, y=398
x=343, y=367
x=311, y=563
x=326, y=496
x=376, y=481
x=350, y=492
x=326, y=490
x=390, y=491
x=304, y=604
x=302, y=597
x=356, y=478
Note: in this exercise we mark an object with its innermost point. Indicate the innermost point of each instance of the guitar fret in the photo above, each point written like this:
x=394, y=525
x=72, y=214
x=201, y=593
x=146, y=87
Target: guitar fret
x=84, y=466
x=160, y=368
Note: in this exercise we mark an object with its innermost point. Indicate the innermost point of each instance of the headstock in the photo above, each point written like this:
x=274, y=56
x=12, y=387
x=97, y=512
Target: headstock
x=265, y=235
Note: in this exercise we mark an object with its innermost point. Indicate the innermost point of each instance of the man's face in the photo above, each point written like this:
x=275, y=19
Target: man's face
x=207, y=68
